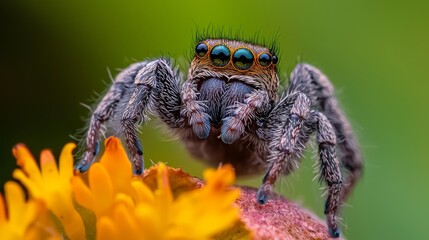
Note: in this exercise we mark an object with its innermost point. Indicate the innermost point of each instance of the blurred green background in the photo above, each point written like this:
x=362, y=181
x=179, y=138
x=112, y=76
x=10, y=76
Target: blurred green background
x=54, y=55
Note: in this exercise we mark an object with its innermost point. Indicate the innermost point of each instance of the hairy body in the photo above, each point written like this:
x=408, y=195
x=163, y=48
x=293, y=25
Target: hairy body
x=228, y=110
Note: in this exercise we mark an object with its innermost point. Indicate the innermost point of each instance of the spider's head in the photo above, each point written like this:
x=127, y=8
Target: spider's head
x=232, y=61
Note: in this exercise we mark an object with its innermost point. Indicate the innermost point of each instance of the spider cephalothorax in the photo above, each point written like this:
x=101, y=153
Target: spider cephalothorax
x=228, y=110
x=236, y=61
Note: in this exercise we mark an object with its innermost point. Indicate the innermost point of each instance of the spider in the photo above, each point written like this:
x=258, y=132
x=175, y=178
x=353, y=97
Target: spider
x=228, y=110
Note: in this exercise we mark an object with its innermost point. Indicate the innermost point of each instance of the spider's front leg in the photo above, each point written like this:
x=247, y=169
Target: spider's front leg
x=105, y=111
x=151, y=87
x=287, y=130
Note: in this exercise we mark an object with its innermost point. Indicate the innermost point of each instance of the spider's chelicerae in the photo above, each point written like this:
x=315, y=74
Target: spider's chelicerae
x=228, y=110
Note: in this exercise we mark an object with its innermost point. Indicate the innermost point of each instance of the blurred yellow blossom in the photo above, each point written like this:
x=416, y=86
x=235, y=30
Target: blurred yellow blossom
x=123, y=206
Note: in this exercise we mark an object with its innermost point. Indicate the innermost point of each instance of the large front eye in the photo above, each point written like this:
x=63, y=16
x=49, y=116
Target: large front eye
x=201, y=49
x=243, y=59
x=220, y=55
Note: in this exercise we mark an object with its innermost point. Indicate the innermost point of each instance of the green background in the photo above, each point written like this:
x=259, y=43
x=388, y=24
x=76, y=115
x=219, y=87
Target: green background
x=54, y=55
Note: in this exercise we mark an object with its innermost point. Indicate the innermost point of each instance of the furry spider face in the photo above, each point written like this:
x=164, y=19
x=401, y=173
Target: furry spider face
x=230, y=60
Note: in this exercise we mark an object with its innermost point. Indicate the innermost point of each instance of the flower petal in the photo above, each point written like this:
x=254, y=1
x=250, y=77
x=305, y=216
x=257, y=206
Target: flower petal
x=48, y=166
x=101, y=188
x=141, y=192
x=117, y=165
x=66, y=162
x=2, y=209
x=106, y=229
x=26, y=161
x=82, y=193
x=15, y=202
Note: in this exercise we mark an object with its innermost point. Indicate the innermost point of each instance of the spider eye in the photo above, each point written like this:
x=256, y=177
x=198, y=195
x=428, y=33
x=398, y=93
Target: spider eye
x=201, y=49
x=275, y=59
x=243, y=59
x=220, y=55
x=265, y=59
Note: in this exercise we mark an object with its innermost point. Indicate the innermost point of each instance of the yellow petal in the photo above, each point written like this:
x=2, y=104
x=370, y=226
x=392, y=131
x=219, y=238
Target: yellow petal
x=26, y=161
x=66, y=162
x=48, y=166
x=31, y=185
x=107, y=230
x=125, y=222
x=124, y=199
x=82, y=193
x=101, y=188
x=221, y=178
x=141, y=192
x=16, y=202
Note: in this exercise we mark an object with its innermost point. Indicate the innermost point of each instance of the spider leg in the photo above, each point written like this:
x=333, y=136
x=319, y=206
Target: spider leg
x=241, y=114
x=195, y=111
x=104, y=112
x=155, y=89
x=312, y=82
x=286, y=139
x=329, y=165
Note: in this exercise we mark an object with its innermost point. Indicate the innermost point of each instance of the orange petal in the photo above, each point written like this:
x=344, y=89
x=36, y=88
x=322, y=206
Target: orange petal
x=117, y=164
x=164, y=190
x=2, y=209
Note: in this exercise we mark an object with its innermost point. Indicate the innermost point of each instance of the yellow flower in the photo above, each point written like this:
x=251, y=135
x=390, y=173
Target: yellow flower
x=51, y=185
x=110, y=203
x=126, y=208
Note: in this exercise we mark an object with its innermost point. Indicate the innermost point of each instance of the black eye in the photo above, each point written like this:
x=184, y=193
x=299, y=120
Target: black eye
x=201, y=49
x=220, y=55
x=265, y=59
x=242, y=59
x=275, y=59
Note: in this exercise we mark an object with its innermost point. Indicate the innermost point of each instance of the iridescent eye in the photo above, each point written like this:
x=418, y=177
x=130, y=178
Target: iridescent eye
x=201, y=49
x=220, y=55
x=265, y=59
x=275, y=59
x=243, y=59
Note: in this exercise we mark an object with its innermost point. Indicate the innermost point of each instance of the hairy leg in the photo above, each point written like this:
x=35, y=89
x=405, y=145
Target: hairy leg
x=241, y=114
x=105, y=111
x=312, y=82
x=287, y=130
x=154, y=88
x=155, y=85
x=329, y=166
x=286, y=135
x=195, y=111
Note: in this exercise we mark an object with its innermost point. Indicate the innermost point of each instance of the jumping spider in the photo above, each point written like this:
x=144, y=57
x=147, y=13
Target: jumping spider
x=229, y=111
